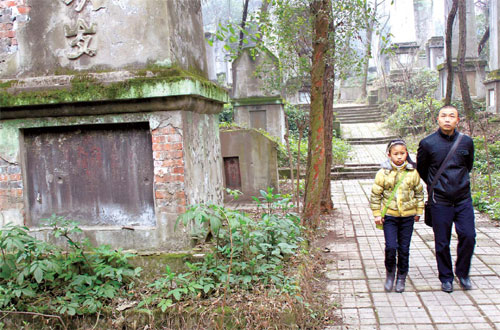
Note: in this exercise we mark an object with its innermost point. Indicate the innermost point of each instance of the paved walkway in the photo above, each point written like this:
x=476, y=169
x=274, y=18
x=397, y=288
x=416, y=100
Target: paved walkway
x=355, y=277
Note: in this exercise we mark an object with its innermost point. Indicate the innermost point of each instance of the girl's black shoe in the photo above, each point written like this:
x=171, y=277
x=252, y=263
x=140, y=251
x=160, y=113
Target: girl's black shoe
x=389, y=280
x=400, y=283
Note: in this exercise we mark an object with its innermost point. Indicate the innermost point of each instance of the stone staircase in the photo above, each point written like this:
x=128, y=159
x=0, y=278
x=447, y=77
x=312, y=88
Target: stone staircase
x=362, y=127
x=359, y=113
x=354, y=171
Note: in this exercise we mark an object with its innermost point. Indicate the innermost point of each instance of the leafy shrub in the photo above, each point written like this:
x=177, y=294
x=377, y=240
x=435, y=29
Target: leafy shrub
x=38, y=276
x=340, y=150
x=247, y=252
x=481, y=198
x=414, y=116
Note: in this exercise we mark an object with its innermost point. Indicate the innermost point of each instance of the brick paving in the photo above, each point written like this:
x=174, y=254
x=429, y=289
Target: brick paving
x=355, y=277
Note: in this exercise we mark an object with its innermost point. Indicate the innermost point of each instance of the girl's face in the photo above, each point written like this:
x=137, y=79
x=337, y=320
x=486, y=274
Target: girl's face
x=398, y=154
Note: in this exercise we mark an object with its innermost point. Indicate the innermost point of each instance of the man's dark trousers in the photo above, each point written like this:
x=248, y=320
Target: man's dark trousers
x=443, y=217
x=397, y=233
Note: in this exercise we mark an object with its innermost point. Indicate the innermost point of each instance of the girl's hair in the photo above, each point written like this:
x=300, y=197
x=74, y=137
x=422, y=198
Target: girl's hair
x=400, y=142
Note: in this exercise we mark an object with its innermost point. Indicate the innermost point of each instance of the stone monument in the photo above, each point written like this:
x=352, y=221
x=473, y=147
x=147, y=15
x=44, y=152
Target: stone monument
x=107, y=117
x=250, y=162
x=474, y=67
x=252, y=107
x=492, y=82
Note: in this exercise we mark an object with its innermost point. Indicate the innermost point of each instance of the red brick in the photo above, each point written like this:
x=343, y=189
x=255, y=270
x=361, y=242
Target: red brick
x=159, y=139
x=174, y=138
x=161, y=194
x=173, y=162
x=4, y=177
x=181, y=209
x=181, y=202
x=175, y=154
x=23, y=9
x=10, y=3
x=174, y=146
x=178, y=170
x=15, y=177
x=7, y=34
x=158, y=147
x=14, y=42
x=166, y=130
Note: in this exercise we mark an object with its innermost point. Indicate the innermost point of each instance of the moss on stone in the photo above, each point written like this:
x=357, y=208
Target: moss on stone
x=150, y=82
x=493, y=76
x=257, y=100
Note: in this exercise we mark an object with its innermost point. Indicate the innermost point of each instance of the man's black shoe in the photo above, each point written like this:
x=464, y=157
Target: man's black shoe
x=447, y=287
x=465, y=283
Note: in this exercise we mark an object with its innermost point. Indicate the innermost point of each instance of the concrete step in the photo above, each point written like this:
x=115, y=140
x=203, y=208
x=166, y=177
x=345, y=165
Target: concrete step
x=353, y=175
x=358, y=168
x=360, y=121
x=358, y=115
x=378, y=140
x=355, y=108
x=377, y=117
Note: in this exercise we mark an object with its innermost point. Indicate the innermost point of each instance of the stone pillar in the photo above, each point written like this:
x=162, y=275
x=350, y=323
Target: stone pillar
x=435, y=52
x=492, y=82
x=474, y=67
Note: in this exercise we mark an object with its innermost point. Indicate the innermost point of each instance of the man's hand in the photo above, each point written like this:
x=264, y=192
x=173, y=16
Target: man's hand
x=379, y=220
x=417, y=218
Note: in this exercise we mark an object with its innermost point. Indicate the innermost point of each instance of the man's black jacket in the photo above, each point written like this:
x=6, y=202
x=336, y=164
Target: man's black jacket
x=453, y=186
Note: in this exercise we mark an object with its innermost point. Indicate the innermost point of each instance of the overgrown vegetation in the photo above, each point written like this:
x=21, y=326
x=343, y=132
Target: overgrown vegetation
x=255, y=273
x=41, y=277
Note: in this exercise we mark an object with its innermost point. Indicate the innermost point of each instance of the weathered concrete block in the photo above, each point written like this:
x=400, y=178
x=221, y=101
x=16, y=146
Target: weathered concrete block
x=250, y=162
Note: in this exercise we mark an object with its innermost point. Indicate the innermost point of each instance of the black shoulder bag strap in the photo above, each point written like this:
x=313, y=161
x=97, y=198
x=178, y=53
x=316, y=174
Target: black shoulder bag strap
x=443, y=164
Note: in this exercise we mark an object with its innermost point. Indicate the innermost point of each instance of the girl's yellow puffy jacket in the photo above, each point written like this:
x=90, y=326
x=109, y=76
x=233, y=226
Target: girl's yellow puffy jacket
x=409, y=199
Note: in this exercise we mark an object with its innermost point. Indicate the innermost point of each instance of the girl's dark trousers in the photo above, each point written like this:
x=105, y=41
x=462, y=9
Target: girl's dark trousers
x=397, y=233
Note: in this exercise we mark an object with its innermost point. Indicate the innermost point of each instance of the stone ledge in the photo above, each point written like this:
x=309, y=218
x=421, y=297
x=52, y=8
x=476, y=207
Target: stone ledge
x=257, y=101
x=109, y=86
x=193, y=103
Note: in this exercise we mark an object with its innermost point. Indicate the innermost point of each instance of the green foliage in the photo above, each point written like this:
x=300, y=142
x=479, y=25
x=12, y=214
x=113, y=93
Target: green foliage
x=247, y=252
x=227, y=114
x=41, y=277
x=481, y=198
x=340, y=150
x=414, y=115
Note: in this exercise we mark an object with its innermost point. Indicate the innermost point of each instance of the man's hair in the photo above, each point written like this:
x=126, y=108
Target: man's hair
x=448, y=106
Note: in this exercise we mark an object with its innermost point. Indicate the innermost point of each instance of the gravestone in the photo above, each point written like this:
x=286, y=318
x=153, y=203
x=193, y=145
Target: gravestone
x=253, y=108
x=474, y=67
x=108, y=118
x=492, y=82
x=250, y=162
x=435, y=52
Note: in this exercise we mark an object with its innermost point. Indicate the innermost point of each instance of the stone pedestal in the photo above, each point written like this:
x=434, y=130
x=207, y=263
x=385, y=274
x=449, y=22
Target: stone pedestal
x=250, y=162
x=475, y=73
x=266, y=113
x=108, y=118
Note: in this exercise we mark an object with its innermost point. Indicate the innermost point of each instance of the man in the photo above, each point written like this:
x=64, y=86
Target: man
x=451, y=200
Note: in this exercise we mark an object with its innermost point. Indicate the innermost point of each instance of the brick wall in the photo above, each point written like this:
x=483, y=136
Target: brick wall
x=11, y=188
x=169, y=170
x=13, y=13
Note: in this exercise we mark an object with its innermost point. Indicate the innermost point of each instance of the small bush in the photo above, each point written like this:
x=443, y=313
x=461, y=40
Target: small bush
x=41, y=277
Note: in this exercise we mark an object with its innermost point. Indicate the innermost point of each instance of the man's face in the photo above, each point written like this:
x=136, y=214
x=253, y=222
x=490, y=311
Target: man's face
x=448, y=120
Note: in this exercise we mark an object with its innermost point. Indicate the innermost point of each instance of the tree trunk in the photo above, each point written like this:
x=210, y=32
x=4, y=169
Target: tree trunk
x=483, y=41
x=368, y=54
x=243, y=22
x=464, y=85
x=449, y=56
x=316, y=153
x=328, y=115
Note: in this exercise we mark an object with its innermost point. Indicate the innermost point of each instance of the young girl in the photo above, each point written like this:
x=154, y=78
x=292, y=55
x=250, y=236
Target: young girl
x=397, y=200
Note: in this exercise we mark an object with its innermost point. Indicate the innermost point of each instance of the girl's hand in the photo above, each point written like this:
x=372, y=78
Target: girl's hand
x=379, y=220
x=417, y=218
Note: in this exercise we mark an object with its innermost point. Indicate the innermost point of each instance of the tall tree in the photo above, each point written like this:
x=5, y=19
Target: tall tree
x=462, y=44
x=449, y=55
x=315, y=173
